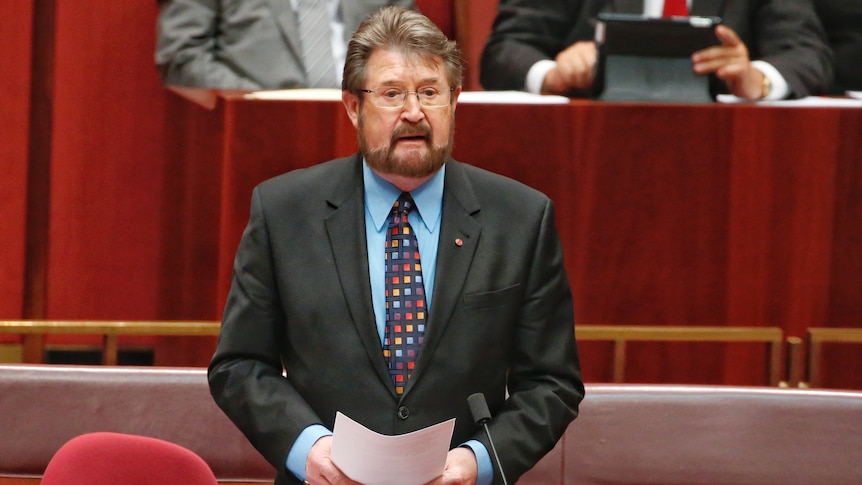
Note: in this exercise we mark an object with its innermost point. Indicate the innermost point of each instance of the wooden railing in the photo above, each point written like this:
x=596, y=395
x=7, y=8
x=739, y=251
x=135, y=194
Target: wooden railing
x=33, y=331
x=788, y=363
x=816, y=338
x=620, y=335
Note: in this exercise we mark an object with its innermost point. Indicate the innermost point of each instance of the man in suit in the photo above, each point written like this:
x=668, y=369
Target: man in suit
x=248, y=44
x=770, y=49
x=308, y=325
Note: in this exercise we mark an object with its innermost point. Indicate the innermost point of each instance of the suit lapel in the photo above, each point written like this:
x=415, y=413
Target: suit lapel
x=459, y=235
x=287, y=22
x=345, y=228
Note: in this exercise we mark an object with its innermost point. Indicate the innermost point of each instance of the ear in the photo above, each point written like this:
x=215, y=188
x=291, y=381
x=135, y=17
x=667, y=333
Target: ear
x=455, y=94
x=351, y=104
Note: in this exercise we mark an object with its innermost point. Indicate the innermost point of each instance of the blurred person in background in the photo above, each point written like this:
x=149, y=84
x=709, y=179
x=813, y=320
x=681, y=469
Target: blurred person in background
x=257, y=44
x=770, y=49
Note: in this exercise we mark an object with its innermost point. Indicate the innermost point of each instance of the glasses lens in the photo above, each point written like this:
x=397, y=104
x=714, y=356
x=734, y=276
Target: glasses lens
x=430, y=97
x=390, y=98
x=395, y=98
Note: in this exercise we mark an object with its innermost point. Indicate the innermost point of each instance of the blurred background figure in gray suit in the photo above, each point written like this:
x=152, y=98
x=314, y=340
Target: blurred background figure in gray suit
x=252, y=44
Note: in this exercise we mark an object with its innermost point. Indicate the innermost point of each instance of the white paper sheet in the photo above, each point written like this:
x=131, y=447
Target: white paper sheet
x=375, y=459
x=488, y=97
x=509, y=97
x=808, y=102
x=297, y=94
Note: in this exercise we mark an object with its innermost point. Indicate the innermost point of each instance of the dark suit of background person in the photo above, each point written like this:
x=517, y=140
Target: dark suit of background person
x=240, y=44
x=842, y=21
x=501, y=318
x=784, y=33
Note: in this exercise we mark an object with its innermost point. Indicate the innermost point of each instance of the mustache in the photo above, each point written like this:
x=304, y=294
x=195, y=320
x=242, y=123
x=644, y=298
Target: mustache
x=419, y=129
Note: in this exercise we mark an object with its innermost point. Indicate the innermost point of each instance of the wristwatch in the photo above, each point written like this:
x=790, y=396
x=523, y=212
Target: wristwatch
x=765, y=87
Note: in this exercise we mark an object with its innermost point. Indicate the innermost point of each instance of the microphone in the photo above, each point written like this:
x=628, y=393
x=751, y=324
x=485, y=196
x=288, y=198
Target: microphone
x=481, y=415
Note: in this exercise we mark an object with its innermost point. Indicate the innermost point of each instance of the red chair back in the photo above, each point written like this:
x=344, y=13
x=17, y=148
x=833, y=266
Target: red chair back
x=115, y=458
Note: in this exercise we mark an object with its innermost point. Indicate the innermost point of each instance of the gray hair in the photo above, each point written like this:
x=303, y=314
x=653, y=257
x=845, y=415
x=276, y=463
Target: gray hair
x=402, y=30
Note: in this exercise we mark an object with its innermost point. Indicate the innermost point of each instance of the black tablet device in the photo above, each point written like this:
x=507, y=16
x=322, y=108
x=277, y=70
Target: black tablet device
x=649, y=59
x=623, y=34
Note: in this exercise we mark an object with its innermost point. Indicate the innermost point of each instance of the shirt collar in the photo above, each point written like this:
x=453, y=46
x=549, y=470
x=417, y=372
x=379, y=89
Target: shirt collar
x=381, y=195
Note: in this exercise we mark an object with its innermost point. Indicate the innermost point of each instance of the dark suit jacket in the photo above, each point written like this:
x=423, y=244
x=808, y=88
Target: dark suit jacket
x=300, y=297
x=842, y=20
x=240, y=44
x=785, y=33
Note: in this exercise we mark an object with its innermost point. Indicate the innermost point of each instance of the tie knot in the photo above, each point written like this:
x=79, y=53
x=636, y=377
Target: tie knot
x=404, y=204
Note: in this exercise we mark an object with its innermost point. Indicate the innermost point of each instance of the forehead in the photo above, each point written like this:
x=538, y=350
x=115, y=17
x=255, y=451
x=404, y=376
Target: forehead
x=388, y=67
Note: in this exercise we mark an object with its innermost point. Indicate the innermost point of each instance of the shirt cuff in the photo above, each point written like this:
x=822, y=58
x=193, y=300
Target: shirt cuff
x=536, y=75
x=483, y=462
x=778, y=88
x=298, y=455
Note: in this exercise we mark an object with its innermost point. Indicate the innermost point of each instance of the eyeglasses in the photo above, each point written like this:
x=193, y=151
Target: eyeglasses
x=428, y=97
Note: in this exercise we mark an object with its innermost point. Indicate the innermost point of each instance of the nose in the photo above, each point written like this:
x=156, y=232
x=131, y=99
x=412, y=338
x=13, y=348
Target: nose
x=412, y=110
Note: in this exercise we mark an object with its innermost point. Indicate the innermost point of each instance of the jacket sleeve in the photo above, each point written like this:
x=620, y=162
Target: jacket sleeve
x=186, y=45
x=246, y=372
x=791, y=38
x=525, y=32
x=545, y=386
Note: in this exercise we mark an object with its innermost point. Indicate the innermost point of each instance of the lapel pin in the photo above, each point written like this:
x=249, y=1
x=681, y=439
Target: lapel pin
x=459, y=242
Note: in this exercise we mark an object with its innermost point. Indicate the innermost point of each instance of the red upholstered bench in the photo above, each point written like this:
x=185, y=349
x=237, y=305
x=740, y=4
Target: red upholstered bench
x=671, y=434
x=625, y=434
x=44, y=406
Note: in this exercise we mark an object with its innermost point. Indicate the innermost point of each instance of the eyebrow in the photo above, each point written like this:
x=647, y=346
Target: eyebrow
x=422, y=82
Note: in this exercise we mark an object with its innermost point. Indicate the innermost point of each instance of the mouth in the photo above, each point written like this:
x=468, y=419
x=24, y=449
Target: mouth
x=412, y=138
x=411, y=134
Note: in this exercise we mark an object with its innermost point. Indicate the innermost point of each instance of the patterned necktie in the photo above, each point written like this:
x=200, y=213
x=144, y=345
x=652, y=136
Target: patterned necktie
x=405, y=295
x=675, y=8
x=315, y=35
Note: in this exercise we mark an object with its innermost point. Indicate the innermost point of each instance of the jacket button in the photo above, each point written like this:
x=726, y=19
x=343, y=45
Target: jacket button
x=403, y=412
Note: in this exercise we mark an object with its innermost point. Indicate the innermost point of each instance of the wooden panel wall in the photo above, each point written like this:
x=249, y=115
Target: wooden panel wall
x=473, y=22
x=16, y=24
x=107, y=166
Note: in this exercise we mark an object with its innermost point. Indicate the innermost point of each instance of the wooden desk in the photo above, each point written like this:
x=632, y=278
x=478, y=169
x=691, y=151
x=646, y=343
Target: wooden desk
x=744, y=216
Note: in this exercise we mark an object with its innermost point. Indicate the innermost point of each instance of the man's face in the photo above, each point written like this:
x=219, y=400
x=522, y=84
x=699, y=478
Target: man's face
x=409, y=139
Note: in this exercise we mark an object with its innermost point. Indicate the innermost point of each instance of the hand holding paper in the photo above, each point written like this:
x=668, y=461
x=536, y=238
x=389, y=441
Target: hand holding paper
x=374, y=459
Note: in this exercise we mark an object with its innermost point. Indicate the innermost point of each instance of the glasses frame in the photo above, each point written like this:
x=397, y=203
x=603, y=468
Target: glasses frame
x=404, y=98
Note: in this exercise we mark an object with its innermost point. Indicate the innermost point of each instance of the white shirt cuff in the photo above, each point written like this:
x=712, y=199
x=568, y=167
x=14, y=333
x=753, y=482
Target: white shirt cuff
x=778, y=86
x=536, y=75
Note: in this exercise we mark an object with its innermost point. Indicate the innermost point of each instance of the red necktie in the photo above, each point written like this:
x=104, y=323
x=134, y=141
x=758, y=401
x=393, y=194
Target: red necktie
x=405, y=295
x=674, y=8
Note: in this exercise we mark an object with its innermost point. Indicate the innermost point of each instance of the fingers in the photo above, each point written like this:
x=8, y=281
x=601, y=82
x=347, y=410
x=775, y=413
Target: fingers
x=727, y=36
x=460, y=468
x=729, y=57
x=320, y=469
x=576, y=65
